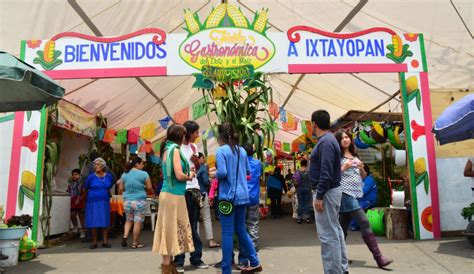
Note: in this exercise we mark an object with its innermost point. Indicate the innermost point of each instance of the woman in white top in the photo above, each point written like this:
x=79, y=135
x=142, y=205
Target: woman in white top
x=352, y=172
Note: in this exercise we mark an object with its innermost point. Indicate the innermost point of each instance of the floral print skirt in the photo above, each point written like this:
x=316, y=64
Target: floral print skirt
x=173, y=235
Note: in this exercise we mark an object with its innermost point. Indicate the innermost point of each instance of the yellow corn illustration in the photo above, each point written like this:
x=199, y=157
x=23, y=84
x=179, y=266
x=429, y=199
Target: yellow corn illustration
x=48, y=53
x=412, y=84
x=261, y=21
x=236, y=16
x=397, y=45
x=191, y=23
x=420, y=166
x=28, y=180
x=216, y=16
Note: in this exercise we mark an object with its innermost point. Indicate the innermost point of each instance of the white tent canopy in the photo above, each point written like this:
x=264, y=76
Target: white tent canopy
x=447, y=27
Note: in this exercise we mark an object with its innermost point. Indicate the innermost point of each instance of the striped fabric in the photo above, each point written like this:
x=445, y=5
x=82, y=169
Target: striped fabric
x=351, y=180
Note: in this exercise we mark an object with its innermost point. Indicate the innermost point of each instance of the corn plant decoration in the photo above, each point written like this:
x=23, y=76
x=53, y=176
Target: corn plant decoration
x=192, y=22
x=216, y=16
x=237, y=17
x=246, y=108
x=260, y=21
x=217, y=19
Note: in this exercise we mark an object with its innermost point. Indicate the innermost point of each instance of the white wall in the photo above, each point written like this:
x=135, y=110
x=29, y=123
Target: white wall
x=454, y=192
x=72, y=146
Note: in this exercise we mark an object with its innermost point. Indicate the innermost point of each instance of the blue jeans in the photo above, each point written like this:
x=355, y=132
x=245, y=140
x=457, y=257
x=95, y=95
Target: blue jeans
x=304, y=202
x=235, y=223
x=193, y=212
x=331, y=236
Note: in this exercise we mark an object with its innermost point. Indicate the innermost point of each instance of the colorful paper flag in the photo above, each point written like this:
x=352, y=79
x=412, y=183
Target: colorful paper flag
x=294, y=147
x=181, y=116
x=165, y=122
x=133, y=148
x=155, y=159
x=277, y=145
x=199, y=108
x=147, y=132
x=306, y=126
x=109, y=135
x=291, y=124
x=302, y=147
x=274, y=110
x=283, y=115
x=133, y=134
x=286, y=147
x=146, y=147
x=101, y=133
x=157, y=147
x=121, y=137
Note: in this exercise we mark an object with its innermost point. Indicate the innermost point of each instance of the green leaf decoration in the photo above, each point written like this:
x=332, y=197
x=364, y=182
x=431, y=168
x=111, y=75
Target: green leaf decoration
x=28, y=193
x=21, y=198
x=426, y=181
x=421, y=178
x=418, y=100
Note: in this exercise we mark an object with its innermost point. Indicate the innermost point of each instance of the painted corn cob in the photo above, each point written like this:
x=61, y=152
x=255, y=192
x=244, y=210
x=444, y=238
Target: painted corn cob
x=397, y=45
x=216, y=16
x=261, y=21
x=48, y=53
x=191, y=23
x=236, y=16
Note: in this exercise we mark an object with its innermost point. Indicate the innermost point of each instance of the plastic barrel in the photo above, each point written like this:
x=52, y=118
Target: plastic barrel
x=375, y=217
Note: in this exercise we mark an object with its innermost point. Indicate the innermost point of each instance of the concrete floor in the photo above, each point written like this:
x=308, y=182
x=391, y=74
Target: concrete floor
x=285, y=248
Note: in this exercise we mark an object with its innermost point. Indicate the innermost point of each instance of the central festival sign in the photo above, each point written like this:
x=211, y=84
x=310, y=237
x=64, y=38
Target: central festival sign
x=226, y=46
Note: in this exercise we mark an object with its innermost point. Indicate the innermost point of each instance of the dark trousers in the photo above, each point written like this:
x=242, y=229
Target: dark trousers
x=193, y=212
x=275, y=197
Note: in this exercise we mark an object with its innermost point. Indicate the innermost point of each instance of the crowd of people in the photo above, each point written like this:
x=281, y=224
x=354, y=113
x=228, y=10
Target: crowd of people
x=331, y=183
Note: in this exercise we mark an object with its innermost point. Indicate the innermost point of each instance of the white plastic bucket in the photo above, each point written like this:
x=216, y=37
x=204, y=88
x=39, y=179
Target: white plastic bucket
x=9, y=248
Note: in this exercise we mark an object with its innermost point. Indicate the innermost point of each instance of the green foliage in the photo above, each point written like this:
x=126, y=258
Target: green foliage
x=246, y=107
x=467, y=212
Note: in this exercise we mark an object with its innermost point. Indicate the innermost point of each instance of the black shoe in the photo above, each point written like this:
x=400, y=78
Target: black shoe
x=124, y=242
x=3, y=257
x=200, y=265
x=309, y=221
x=299, y=221
x=179, y=268
x=106, y=245
x=94, y=246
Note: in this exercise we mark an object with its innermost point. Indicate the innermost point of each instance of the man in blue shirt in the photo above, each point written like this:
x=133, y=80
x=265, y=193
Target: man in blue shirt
x=325, y=177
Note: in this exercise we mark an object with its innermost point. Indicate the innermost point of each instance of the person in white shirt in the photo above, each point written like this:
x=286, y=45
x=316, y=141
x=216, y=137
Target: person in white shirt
x=193, y=196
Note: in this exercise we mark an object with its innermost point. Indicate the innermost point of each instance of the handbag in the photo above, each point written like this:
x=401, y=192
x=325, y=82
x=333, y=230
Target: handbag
x=226, y=207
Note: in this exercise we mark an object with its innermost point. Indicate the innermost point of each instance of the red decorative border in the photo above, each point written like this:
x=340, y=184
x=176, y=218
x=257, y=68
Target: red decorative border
x=295, y=37
x=157, y=39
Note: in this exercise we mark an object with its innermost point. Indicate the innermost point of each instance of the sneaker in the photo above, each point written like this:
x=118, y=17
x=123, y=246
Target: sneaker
x=82, y=235
x=299, y=221
x=179, y=268
x=242, y=266
x=201, y=265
